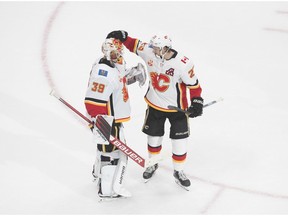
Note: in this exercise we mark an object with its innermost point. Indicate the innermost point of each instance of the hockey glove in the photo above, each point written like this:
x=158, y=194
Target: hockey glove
x=137, y=73
x=120, y=35
x=196, y=108
x=141, y=75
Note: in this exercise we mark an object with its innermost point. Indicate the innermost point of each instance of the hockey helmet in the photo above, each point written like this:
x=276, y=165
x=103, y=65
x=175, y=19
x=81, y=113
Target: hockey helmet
x=112, y=49
x=161, y=40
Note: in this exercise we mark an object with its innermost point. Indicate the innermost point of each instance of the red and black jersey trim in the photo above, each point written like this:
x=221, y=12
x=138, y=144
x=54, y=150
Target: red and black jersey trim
x=95, y=107
x=95, y=100
x=181, y=95
x=196, y=85
x=111, y=106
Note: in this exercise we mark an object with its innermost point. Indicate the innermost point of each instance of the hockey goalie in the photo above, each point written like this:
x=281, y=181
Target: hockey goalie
x=107, y=99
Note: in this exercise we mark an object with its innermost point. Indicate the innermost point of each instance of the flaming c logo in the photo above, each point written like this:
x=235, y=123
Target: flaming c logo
x=160, y=82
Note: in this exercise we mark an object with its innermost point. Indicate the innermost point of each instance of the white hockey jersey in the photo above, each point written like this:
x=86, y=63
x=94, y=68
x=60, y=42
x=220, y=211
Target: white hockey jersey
x=107, y=91
x=168, y=78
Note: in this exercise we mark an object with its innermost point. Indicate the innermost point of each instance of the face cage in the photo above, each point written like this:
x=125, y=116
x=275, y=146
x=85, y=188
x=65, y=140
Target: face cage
x=115, y=55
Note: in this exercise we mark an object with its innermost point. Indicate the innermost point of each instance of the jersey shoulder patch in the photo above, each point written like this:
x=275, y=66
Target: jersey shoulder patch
x=142, y=46
x=102, y=72
x=184, y=59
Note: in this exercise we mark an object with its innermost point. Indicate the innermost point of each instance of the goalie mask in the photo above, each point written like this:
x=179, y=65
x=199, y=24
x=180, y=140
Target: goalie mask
x=112, y=49
x=158, y=42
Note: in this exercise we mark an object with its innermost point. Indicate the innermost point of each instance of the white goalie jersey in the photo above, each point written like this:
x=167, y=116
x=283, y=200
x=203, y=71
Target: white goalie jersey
x=107, y=91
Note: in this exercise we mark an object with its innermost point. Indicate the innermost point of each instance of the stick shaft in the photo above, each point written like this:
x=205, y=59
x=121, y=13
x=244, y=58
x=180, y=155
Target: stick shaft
x=188, y=113
x=53, y=93
x=116, y=142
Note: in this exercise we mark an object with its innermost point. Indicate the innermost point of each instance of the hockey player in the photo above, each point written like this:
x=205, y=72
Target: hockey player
x=170, y=74
x=107, y=96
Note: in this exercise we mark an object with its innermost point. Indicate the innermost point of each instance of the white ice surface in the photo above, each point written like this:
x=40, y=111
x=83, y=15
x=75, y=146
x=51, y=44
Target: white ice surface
x=237, y=154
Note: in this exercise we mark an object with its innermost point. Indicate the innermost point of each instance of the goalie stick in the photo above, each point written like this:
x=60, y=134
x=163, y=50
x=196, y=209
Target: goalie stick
x=188, y=113
x=103, y=127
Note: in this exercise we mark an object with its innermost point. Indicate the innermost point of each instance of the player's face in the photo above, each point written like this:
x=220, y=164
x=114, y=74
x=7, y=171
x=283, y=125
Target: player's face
x=114, y=55
x=156, y=50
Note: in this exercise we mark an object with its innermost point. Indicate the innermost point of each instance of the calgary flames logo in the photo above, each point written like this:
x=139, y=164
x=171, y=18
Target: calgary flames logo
x=160, y=82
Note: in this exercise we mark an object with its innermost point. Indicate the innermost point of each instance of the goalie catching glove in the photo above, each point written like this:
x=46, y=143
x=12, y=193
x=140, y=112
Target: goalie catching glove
x=196, y=108
x=137, y=73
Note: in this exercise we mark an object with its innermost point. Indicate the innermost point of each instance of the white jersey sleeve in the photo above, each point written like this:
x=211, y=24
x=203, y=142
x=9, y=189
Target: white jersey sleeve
x=187, y=74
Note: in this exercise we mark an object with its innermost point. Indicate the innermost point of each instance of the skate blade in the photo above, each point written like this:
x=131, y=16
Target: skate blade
x=109, y=199
x=185, y=188
x=147, y=180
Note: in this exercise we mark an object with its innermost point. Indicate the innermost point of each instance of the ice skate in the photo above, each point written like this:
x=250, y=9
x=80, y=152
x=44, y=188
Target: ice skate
x=113, y=197
x=149, y=172
x=181, y=179
x=104, y=198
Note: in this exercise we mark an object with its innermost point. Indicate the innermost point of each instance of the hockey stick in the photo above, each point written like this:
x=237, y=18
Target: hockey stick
x=116, y=142
x=188, y=113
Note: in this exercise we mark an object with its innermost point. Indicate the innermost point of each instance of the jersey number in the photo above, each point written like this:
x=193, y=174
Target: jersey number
x=98, y=87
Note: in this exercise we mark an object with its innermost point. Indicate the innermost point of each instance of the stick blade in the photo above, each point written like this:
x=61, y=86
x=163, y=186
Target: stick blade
x=220, y=99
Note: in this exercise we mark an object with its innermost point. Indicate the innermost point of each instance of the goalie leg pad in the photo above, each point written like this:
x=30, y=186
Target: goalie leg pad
x=103, y=159
x=107, y=179
x=118, y=185
x=112, y=178
x=118, y=159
